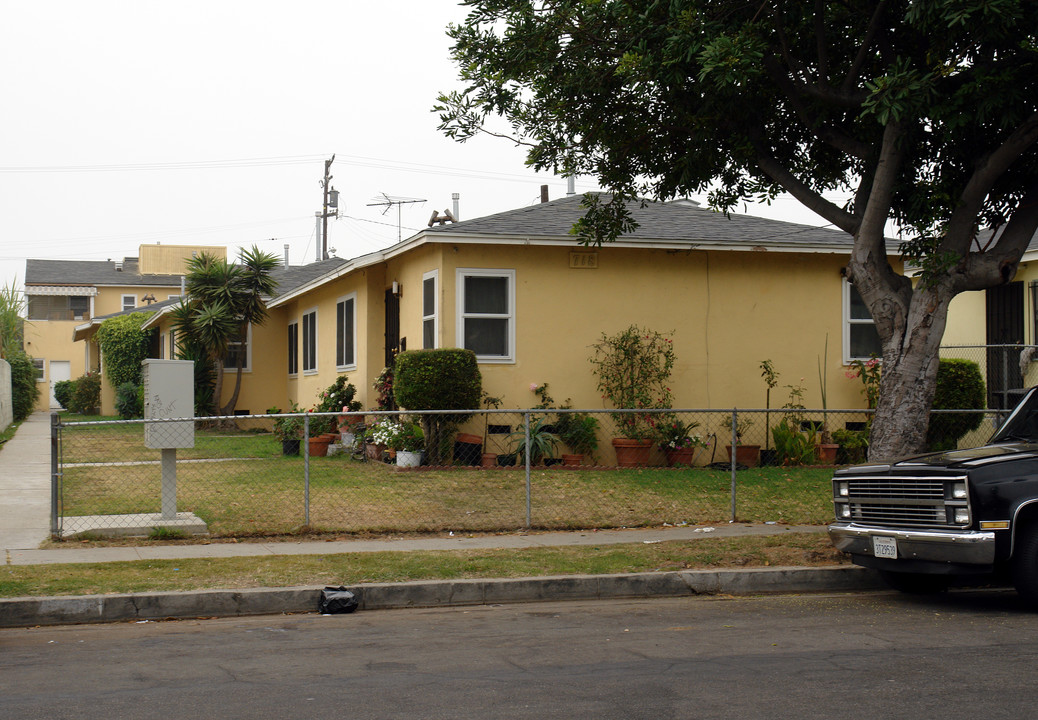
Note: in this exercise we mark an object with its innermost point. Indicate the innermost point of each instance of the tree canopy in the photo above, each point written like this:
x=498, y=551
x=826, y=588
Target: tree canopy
x=924, y=111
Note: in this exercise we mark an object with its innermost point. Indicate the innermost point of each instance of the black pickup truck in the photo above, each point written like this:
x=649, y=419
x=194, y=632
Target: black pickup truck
x=924, y=522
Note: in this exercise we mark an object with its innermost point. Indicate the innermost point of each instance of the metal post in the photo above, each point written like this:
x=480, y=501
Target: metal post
x=55, y=475
x=735, y=448
x=526, y=423
x=169, y=483
x=306, y=469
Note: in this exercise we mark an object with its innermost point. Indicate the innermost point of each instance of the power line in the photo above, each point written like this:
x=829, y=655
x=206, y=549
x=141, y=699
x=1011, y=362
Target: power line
x=187, y=165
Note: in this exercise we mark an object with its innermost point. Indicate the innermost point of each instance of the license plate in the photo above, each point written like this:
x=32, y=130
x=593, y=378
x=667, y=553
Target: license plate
x=884, y=547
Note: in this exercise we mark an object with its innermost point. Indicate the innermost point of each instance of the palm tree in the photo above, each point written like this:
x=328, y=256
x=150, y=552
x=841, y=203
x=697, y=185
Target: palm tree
x=222, y=300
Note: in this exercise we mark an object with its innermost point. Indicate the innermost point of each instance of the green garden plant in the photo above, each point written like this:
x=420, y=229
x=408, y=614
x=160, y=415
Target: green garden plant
x=633, y=368
x=123, y=346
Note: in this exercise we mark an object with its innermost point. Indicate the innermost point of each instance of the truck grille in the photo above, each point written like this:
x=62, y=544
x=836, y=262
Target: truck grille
x=903, y=501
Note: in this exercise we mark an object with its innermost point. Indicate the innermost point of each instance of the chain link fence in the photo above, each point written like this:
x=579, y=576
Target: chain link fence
x=1007, y=369
x=483, y=471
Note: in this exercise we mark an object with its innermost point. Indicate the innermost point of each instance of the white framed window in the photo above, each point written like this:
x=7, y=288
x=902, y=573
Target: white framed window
x=860, y=339
x=346, y=332
x=243, y=347
x=293, y=347
x=430, y=310
x=486, y=313
x=129, y=302
x=39, y=365
x=310, y=342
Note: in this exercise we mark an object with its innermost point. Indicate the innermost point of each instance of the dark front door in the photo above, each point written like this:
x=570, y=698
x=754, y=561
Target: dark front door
x=392, y=327
x=1005, y=333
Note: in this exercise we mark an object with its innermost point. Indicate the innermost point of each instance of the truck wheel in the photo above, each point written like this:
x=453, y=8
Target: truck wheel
x=915, y=583
x=1025, y=564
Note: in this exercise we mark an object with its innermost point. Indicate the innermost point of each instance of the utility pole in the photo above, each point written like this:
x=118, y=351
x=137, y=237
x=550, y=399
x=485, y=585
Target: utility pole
x=331, y=199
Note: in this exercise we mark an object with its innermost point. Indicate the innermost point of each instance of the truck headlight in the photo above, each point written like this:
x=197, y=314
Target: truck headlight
x=844, y=510
x=959, y=491
x=842, y=489
x=962, y=515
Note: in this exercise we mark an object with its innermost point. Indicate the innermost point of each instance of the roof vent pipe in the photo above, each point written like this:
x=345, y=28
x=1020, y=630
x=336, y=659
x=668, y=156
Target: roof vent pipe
x=571, y=185
x=286, y=254
x=118, y=266
x=544, y=193
x=456, y=197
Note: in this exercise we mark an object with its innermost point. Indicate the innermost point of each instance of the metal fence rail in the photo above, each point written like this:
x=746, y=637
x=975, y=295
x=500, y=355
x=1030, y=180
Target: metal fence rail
x=236, y=480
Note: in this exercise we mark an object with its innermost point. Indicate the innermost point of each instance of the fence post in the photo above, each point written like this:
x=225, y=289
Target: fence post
x=526, y=432
x=55, y=475
x=306, y=469
x=735, y=448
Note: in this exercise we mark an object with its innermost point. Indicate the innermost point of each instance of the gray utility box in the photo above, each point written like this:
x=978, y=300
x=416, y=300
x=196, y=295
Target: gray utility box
x=169, y=392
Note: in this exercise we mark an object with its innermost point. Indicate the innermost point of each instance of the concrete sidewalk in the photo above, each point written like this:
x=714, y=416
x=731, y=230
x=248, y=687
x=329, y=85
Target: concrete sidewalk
x=518, y=540
x=25, y=485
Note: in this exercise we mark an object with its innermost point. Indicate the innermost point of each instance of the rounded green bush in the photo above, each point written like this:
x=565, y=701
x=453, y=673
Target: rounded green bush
x=960, y=386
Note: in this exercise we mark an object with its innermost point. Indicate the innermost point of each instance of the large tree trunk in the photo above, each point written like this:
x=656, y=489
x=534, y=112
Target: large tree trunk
x=909, y=378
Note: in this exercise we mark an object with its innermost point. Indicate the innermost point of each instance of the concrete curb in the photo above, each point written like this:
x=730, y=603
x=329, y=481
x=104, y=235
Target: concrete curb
x=68, y=610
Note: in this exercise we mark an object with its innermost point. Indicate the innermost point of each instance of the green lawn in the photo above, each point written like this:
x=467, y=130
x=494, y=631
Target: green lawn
x=241, y=486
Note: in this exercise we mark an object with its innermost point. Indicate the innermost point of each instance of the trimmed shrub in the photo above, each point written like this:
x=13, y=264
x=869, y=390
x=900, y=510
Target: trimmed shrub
x=87, y=398
x=63, y=392
x=446, y=379
x=129, y=401
x=25, y=391
x=960, y=386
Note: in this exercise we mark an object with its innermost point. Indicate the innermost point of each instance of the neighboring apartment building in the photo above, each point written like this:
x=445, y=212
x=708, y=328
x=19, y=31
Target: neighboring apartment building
x=62, y=294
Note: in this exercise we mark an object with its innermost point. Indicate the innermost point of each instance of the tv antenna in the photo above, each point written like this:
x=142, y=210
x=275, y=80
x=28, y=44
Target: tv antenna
x=391, y=200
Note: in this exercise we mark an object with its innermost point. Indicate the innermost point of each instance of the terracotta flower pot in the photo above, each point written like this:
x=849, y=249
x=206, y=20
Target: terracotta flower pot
x=489, y=460
x=682, y=456
x=747, y=455
x=318, y=446
x=827, y=454
x=573, y=460
x=632, y=453
x=374, y=452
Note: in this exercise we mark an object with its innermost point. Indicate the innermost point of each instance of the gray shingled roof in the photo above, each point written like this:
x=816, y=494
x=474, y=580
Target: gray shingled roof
x=91, y=272
x=94, y=273
x=671, y=221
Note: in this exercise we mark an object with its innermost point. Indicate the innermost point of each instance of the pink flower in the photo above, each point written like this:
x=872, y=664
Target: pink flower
x=533, y=387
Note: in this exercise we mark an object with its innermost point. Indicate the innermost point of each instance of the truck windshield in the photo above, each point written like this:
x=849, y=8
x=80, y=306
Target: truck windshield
x=1022, y=423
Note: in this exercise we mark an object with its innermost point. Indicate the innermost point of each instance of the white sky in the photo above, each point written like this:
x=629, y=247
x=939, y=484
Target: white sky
x=208, y=122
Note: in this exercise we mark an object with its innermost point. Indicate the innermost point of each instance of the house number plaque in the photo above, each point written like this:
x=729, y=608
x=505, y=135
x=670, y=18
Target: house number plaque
x=585, y=260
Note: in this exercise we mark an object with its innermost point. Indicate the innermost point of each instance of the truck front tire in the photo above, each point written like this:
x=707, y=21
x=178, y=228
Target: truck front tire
x=1025, y=564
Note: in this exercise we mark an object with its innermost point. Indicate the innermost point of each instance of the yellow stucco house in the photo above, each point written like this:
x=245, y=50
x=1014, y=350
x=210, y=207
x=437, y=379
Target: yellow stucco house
x=62, y=295
x=518, y=290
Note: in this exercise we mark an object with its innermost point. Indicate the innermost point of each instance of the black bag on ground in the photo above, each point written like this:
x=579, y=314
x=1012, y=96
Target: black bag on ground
x=337, y=600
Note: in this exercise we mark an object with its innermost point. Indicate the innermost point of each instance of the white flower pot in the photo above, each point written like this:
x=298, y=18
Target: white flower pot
x=408, y=459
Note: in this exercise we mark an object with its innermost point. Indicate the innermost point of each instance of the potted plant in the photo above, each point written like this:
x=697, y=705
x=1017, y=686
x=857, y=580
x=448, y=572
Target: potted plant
x=408, y=441
x=679, y=443
x=747, y=455
x=579, y=431
x=379, y=436
x=826, y=447
x=633, y=368
x=287, y=429
x=489, y=459
x=770, y=375
x=542, y=442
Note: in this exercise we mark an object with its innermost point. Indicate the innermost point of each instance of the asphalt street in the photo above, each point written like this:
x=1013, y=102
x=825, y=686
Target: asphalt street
x=874, y=655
